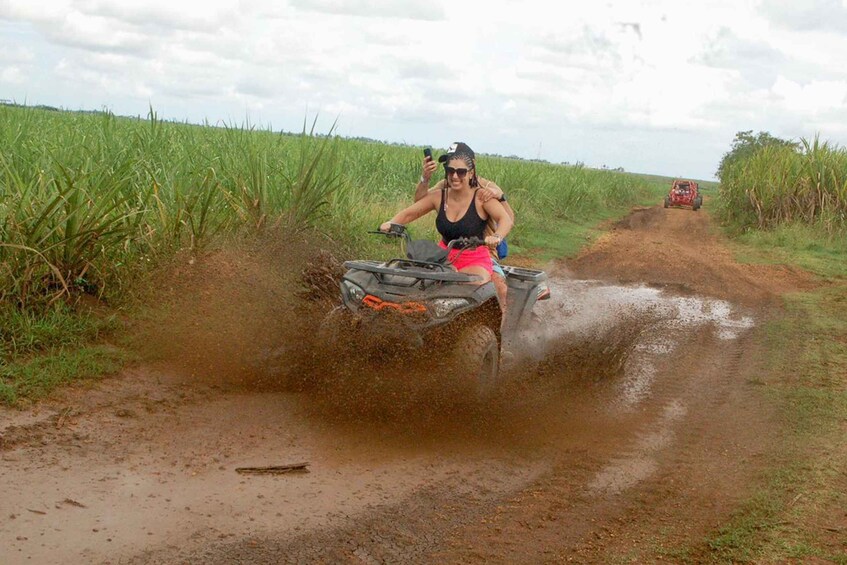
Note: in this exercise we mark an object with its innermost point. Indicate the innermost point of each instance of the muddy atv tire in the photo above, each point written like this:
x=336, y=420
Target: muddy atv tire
x=479, y=353
x=667, y=201
x=697, y=203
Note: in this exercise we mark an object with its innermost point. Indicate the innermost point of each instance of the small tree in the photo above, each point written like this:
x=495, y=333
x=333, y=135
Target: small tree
x=746, y=144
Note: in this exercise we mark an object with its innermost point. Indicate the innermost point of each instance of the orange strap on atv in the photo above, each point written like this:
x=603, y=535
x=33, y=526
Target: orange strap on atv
x=377, y=304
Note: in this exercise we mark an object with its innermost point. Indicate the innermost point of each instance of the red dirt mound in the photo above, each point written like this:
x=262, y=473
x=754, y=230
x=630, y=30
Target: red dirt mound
x=679, y=248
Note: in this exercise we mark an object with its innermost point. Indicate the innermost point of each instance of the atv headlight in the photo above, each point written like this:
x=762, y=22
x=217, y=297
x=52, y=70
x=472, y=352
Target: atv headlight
x=441, y=307
x=352, y=291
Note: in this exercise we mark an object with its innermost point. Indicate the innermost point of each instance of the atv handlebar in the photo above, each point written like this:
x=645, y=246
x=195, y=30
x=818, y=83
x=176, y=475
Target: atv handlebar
x=466, y=243
x=394, y=230
x=461, y=244
x=399, y=230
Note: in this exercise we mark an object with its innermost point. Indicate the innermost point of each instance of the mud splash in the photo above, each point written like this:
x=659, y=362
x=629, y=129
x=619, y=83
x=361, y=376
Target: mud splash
x=631, y=325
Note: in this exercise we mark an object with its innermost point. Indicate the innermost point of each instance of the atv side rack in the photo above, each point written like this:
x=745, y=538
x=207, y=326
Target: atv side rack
x=529, y=275
x=522, y=284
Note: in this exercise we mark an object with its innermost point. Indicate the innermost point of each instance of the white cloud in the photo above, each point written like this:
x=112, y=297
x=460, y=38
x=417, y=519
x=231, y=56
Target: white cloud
x=754, y=61
x=12, y=53
x=11, y=75
x=410, y=9
x=812, y=98
x=626, y=75
x=187, y=15
x=808, y=15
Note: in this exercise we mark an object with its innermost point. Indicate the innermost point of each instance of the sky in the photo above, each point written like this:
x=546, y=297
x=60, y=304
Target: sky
x=652, y=86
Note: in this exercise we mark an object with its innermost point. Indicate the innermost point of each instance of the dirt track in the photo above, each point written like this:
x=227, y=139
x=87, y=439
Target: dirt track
x=633, y=430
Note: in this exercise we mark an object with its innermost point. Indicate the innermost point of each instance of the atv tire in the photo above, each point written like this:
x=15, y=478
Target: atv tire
x=667, y=201
x=697, y=203
x=478, y=351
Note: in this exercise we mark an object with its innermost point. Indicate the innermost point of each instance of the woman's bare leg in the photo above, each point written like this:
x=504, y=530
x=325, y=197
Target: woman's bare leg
x=479, y=271
x=502, y=290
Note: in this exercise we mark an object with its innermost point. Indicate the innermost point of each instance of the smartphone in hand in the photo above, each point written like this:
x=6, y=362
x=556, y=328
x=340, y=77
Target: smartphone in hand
x=428, y=154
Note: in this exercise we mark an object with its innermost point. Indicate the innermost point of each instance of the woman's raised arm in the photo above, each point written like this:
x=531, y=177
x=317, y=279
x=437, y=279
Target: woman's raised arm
x=498, y=213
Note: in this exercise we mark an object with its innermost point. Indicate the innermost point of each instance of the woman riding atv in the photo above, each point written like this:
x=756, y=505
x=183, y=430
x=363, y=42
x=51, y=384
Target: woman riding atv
x=488, y=189
x=460, y=213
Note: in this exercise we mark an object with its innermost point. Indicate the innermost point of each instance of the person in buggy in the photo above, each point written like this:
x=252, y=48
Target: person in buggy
x=460, y=213
x=487, y=190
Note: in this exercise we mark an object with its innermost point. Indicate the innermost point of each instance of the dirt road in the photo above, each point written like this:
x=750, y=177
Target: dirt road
x=631, y=427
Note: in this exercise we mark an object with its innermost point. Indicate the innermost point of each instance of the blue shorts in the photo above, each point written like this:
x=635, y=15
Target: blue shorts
x=496, y=268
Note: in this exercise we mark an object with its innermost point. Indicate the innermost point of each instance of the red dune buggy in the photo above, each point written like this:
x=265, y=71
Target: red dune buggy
x=684, y=193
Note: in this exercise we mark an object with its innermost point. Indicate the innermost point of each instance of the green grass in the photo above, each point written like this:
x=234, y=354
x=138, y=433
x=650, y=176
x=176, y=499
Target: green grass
x=23, y=332
x=85, y=197
x=543, y=236
x=41, y=349
x=33, y=378
x=551, y=239
x=784, y=184
x=796, y=244
x=787, y=206
x=761, y=517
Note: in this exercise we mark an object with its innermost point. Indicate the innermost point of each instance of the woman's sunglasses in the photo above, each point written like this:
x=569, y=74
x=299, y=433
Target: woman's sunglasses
x=461, y=172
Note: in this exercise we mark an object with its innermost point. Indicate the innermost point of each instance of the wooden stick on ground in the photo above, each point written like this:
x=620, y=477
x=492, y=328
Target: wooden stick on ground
x=275, y=469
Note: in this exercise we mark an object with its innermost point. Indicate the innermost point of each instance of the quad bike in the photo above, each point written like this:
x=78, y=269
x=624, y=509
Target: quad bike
x=684, y=193
x=421, y=298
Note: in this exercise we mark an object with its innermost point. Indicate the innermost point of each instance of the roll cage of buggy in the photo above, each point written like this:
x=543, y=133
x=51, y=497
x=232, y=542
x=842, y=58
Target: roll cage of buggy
x=684, y=193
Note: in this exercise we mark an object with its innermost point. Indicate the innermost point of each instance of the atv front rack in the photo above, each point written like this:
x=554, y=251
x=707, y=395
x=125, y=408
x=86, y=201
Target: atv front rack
x=408, y=272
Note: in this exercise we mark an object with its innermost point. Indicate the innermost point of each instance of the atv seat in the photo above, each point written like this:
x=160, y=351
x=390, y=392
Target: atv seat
x=425, y=250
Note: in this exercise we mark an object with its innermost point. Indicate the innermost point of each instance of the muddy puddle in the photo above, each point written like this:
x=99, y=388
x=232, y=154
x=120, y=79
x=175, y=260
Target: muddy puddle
x=639, y=325
x=649, y=338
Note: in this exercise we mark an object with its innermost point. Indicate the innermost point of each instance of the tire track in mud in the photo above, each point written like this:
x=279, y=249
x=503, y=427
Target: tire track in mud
x=709, y=465
x=404, y=532
x=657, y=445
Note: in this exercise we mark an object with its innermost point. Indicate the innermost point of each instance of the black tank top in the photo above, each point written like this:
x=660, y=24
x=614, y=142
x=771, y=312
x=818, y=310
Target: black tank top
x=469, y=225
